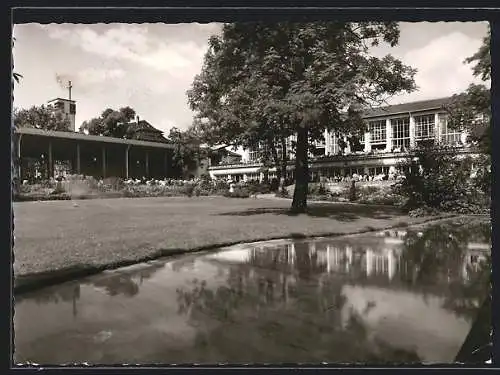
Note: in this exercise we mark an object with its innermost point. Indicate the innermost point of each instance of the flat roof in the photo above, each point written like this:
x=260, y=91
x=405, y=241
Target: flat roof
x=417, y=106
x=66, y=100
x=90, y=138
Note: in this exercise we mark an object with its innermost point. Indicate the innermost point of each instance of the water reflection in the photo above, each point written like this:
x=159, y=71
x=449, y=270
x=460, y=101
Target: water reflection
x=398, y=296
x=386, y=296
x=125, y=282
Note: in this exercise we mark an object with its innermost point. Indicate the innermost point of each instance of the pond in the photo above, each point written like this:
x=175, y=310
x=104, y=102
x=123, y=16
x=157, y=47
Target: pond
x=398, y=296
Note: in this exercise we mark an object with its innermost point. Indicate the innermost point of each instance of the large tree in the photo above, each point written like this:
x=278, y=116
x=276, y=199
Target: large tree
x=41, y=117
x=295, y=78
x=111, y=123
x=471, y=110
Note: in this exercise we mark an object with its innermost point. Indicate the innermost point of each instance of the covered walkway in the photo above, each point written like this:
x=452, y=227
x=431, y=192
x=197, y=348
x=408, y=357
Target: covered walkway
x=90, y=155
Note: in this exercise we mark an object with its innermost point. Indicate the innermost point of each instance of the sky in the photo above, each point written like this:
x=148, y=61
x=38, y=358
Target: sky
x=149, y=67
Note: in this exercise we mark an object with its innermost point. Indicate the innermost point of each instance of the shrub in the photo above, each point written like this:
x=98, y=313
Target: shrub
x=438, y=180
x=239, y=192
x=317, y=189
x=114, y=183
x=188, y=190
x=282, y=193
x=352, y=192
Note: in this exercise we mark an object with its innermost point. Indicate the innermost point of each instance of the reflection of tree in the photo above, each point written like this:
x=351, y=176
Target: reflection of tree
x=262, y=314
x=465, y=297
x=68, y=292
x=115, y=284
x=436, y=256
x=122, y=282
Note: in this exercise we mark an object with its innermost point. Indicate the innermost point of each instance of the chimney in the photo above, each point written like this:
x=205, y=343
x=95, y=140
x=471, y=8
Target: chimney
x=137, y=118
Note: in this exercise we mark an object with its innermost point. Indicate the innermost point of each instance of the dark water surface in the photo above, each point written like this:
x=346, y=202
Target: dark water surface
x=396, y=296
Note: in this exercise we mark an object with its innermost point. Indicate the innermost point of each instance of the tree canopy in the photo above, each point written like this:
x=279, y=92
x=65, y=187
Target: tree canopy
x=187, y=151
x=471, y=110
x=111, y=123
x=261, y=81
x=41, y=117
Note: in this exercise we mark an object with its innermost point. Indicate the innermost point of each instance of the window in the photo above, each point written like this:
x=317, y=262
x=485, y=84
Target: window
x=448, y=136
x=72, y=108
x=424, y=127
x=377, y=131
x=253, y=156
x=334, y=144
x=400, y=132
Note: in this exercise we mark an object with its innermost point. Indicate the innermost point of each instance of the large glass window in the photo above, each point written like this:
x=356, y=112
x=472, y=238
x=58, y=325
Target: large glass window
x=334, y=144
x=377, y=131
x=448, y=136
x=424, y=127
x=400, y=132
x=254, y=156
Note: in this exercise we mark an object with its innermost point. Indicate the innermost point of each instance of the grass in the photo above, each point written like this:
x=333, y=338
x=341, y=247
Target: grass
x=97, y=234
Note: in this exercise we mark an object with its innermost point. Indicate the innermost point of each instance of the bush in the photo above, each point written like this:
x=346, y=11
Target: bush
x=317, y=189
x=352, y=192
x=438, y=181
x=282, y=193
x=239, y=192
x=188, y=190
x=114, y=183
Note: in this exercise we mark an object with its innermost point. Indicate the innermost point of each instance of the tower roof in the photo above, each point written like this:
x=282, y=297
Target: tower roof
x=61, y=99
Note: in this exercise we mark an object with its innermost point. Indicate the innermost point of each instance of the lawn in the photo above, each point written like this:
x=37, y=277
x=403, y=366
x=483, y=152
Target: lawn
x=59, y=235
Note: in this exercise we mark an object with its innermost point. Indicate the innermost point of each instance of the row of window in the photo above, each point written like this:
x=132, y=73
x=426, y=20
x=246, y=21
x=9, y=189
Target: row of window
x=424, y=130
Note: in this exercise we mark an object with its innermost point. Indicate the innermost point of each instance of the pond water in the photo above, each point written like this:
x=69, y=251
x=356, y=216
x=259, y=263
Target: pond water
x=397, y=296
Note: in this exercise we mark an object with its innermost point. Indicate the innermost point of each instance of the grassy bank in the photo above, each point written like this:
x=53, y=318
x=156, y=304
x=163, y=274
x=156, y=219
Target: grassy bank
x=67, y=236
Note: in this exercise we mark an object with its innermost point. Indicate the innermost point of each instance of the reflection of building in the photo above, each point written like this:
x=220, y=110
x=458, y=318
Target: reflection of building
x=475, y=255
x=384, y=257
x=391, y=132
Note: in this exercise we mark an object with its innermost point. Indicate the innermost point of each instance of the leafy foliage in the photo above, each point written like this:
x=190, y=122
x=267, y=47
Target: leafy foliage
x=110, y=123
x=187, y=152
x=471, y=110
x=42, y=117
x=437, y=179
x=263, y=82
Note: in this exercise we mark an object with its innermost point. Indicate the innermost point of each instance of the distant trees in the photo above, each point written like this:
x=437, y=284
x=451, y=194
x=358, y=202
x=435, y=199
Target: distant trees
x=263, y=82
x=41, y=117
x=111, y=123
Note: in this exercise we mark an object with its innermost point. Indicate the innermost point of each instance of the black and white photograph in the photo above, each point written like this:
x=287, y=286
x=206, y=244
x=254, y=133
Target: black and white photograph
x=289, y=192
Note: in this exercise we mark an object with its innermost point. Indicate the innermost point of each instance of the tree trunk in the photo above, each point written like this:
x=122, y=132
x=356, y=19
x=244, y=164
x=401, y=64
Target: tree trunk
x=284, y=164
x=299, y=203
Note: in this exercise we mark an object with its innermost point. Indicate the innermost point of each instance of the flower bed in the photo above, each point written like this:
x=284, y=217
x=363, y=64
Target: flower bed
x=83, y=187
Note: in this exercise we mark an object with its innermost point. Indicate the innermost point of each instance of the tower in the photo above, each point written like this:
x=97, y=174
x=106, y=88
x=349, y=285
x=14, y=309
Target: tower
x=66, y=106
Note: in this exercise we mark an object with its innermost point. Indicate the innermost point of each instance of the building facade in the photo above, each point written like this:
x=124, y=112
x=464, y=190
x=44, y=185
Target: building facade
x=68, y=109
x=391, y=133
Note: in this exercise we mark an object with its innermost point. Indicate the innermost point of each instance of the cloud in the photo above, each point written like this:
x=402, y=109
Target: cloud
x=89, y=79
x=135, y=44
x=440, y=66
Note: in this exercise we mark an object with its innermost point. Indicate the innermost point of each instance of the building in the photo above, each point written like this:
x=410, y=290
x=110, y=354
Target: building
x=44, y=154
x=391, y=133
x=67, y=107
x=143, y=131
